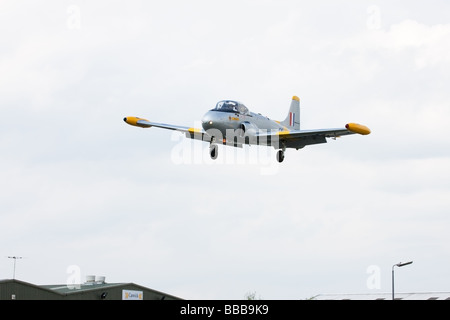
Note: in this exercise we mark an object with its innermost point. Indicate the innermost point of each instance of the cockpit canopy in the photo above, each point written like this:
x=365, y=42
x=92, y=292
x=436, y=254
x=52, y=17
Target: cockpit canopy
x=231, y=106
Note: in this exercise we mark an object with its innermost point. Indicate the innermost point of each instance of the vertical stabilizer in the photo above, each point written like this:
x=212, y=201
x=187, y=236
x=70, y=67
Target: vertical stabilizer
x=292, y=120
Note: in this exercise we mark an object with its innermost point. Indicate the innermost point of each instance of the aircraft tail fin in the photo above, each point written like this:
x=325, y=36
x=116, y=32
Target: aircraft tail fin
x=292, y=120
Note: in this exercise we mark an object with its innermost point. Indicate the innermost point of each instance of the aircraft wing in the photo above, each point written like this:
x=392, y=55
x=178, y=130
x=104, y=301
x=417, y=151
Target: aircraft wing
x=300, y=138
x=192, y=133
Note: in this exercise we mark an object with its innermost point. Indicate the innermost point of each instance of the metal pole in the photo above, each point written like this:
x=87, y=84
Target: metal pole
x=393, y=282
x=400, y=264
x=14, y=271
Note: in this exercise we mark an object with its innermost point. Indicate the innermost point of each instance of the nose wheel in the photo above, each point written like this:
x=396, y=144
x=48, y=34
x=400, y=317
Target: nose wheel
x=213, y=151
x=280, y=156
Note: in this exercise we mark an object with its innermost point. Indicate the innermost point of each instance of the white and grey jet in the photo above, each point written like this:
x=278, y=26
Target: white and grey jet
x=231, y=123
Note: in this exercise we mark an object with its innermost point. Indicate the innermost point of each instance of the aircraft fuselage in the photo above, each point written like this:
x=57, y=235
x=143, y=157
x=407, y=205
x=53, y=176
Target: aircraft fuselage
x=224, y=121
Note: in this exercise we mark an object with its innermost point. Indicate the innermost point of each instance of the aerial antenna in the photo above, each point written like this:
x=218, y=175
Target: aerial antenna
x=15, y=258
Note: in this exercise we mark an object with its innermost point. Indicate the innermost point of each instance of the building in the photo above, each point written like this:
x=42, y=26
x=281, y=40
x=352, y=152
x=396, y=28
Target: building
x=92, y=289
x=386, y=296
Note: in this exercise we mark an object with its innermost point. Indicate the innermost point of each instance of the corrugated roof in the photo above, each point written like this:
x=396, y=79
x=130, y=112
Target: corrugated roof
x=76, y=288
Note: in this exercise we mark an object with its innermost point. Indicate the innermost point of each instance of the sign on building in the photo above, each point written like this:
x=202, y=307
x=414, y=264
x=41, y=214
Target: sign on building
x=132, y=295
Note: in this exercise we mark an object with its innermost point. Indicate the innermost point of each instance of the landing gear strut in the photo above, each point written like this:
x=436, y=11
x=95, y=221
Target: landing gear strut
x=280, y=156
x=213, y=151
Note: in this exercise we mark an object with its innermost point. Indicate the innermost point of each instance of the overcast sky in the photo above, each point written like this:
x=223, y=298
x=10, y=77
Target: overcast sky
x=82, y=193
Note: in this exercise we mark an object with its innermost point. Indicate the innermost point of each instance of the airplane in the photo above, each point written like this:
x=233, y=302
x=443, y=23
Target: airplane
x=231, y=123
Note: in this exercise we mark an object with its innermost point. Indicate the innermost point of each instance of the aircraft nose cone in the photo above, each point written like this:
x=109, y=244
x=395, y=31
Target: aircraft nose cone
x=125, y=119
x=207, y=121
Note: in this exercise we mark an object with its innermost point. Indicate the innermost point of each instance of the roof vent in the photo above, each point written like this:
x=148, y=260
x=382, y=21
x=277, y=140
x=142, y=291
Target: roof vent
x=100, y=280
x=90, y=279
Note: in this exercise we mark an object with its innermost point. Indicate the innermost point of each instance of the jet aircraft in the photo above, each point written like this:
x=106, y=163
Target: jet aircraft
x=231, y=123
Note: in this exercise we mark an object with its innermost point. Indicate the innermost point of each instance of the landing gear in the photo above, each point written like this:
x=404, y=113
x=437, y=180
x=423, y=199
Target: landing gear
x=213, y=151
x=280, y=156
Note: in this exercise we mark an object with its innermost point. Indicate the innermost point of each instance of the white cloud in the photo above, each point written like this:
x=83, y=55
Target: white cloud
x=428, y=44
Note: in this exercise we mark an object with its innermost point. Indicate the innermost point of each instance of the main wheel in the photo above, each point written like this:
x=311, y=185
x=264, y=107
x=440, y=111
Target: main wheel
x=280, y=155
x=213, y=151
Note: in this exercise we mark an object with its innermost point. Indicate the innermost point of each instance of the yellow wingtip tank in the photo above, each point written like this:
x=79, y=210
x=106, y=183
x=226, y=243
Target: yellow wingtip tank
x=194, y=130
x=357, y=128
x=134, y=121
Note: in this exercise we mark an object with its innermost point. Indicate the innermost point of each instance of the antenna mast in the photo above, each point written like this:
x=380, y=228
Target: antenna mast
x=15, y=258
